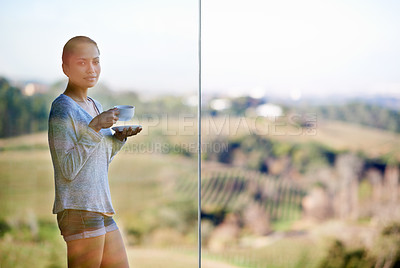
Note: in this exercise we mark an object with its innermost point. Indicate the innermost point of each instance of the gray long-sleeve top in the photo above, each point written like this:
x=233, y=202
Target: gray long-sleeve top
x=80, y=158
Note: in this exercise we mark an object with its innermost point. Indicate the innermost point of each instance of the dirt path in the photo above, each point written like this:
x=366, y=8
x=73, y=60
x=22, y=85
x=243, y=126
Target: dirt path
x=158, y=258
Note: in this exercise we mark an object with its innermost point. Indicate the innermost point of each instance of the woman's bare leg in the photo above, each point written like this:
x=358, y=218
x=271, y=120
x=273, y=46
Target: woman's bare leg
x=114, y=254
x=86, y=252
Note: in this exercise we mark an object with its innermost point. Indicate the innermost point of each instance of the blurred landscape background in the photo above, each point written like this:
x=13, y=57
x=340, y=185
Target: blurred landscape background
x=300, y=130
x=284, y=183
x=303, y=183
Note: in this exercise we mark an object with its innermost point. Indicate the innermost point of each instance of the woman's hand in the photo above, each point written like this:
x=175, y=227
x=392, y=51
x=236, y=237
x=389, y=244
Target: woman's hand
x=105, y=119
x=127, y=132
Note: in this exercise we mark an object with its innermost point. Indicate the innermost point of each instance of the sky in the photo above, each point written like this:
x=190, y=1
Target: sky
x=144, y=45
x=286, y=47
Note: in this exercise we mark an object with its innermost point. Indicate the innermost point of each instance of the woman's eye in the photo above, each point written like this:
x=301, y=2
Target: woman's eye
x=81, y=63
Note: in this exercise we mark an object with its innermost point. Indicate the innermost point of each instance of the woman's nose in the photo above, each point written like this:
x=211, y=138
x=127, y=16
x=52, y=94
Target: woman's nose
x=91, y=68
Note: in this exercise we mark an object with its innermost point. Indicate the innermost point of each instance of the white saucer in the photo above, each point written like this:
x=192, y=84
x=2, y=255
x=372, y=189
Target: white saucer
x=121, y=128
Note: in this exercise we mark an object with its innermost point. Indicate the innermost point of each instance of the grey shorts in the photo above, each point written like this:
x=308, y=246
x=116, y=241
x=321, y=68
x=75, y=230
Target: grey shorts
x=79, y=224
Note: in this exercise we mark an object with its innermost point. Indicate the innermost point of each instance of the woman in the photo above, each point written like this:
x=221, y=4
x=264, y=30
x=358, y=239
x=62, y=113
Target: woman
x=82, y=146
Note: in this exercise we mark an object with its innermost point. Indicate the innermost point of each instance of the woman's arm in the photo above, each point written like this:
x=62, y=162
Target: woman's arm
x=119, y=139
x=116, y=146
x=71, y=141
x=116, y=142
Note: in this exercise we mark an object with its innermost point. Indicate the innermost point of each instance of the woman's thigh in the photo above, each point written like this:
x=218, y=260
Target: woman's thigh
x=85, y=252
x=89, y=235
x=114, y=254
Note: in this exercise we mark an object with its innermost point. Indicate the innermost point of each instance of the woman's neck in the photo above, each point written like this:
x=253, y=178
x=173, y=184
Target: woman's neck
x=76, y=93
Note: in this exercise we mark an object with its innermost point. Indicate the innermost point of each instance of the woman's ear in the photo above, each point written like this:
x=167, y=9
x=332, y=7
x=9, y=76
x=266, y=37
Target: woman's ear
x=65, y=69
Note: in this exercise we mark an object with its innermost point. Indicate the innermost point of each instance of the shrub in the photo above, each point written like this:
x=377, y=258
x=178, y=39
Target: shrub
x=340, y=257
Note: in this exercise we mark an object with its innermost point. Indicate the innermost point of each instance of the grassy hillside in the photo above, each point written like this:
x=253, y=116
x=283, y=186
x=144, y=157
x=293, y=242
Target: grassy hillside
x=334, y=134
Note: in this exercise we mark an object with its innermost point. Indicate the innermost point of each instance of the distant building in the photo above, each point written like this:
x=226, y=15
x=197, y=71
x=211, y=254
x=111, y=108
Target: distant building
x=220, y=104
x=191, y=101
x=269, y=110
x=33, y=88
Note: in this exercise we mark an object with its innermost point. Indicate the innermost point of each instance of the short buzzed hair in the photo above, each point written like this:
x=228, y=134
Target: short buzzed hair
x=72, y=43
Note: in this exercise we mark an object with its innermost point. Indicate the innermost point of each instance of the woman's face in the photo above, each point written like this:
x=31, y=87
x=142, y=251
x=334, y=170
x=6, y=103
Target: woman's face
x=83, y=65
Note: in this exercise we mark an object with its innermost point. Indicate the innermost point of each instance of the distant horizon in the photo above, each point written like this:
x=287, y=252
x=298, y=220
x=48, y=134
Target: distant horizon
x=226, y=93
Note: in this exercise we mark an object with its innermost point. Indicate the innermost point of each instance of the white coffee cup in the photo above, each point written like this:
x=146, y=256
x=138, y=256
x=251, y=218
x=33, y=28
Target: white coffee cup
x=126, y=112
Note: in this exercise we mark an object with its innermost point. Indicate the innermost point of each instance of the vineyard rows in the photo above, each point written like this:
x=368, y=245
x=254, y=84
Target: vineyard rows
x=232, y=192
